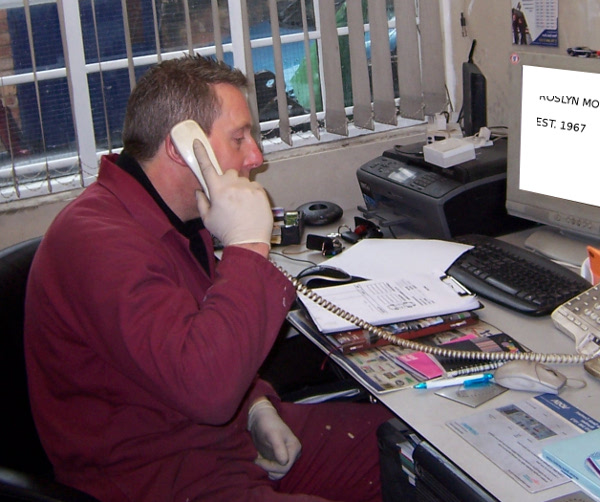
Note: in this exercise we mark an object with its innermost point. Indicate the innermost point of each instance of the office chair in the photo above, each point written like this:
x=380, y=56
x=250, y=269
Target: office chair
x=25, y=470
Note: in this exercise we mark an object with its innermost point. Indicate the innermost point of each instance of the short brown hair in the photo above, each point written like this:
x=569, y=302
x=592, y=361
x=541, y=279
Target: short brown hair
x=172, y=91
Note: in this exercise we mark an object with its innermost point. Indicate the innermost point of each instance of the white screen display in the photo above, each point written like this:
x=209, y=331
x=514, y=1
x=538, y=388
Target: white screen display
x=560, y=140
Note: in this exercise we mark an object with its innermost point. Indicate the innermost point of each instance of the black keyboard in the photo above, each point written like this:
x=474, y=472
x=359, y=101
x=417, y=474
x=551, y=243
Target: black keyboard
x=515, y=277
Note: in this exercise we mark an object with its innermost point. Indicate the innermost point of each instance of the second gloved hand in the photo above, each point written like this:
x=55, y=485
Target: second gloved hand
x=278, y=447
x=238, y=211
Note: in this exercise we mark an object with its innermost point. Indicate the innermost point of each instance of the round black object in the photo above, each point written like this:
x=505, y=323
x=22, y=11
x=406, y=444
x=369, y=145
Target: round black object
x=320, y=212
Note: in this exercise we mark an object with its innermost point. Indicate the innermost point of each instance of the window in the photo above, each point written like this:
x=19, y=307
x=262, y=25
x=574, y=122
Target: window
x=67, y=68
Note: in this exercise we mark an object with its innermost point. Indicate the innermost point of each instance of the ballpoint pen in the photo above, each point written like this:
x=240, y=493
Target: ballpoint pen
x=467, y=381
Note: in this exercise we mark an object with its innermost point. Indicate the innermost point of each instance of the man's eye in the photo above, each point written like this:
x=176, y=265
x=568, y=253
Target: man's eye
x=238, y=140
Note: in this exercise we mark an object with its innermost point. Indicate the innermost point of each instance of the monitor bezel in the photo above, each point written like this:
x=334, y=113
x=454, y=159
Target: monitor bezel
x=569, y=216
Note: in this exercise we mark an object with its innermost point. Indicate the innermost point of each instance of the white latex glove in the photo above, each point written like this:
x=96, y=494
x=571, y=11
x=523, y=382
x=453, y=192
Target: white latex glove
x=278, y=447
x=238, y=211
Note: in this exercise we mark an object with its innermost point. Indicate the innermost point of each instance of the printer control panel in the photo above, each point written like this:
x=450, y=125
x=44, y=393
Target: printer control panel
x=410, y=176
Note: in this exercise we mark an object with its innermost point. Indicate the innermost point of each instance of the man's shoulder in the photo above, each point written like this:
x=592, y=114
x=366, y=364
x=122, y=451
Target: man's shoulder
x=93, y=205
x=114, y=200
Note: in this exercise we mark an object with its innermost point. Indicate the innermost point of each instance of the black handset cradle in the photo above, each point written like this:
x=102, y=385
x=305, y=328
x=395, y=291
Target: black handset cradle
x=320, y=212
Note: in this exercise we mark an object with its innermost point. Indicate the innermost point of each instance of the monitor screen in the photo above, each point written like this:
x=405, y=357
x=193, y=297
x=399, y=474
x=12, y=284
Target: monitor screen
x=553, y=172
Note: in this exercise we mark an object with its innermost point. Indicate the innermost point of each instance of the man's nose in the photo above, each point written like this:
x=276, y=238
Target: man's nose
x=254, y=157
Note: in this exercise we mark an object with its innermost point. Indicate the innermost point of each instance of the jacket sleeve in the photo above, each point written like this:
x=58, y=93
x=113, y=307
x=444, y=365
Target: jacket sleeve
x=152, y=315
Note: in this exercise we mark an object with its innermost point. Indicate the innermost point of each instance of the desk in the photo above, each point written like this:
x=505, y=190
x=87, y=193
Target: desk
x=427, y=413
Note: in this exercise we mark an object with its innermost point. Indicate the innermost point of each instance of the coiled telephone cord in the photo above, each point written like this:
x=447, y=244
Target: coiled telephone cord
x=435, y=351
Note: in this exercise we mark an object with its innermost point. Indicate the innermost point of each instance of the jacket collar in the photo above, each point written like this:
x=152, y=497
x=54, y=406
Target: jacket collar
x=132, y=167
x=125, y=178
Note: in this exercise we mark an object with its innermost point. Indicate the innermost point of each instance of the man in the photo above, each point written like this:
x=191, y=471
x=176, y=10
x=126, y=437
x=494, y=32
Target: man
x=142, y=351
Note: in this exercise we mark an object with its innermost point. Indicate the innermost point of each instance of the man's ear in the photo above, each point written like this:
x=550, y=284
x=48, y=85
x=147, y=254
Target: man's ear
x=172, y=153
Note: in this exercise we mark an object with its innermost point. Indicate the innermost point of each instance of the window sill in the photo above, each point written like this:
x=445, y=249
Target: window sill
x=303, y=144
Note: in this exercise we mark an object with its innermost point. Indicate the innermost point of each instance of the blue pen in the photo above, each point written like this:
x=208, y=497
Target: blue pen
x=467, y=381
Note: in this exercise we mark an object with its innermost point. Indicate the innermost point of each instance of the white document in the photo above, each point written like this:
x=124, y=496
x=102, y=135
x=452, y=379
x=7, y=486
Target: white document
x=379, y=302
x=385, y=258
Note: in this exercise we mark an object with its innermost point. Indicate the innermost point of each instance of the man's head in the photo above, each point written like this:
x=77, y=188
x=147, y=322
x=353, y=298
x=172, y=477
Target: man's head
x=197, y=88
x=172, y=91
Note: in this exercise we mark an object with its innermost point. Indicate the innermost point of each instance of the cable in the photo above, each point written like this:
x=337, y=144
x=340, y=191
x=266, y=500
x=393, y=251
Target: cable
x=435, y=351
x=300, y=260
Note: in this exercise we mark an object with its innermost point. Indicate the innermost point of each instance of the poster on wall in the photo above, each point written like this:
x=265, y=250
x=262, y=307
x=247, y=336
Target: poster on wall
x=535, y=22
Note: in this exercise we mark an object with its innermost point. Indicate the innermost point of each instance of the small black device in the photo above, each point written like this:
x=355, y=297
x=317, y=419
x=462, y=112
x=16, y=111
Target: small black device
x=320, y=212
x=288, y=227
x=474, y=96
x=329, y=246
x=363, y=229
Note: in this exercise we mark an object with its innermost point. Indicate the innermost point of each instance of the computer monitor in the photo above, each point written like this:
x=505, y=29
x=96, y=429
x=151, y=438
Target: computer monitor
x=553, y=172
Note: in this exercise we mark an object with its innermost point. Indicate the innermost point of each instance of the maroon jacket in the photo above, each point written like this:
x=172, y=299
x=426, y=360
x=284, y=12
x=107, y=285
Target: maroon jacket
x=141, y=366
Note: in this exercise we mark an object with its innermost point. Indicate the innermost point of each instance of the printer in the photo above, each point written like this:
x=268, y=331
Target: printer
x=404, y=193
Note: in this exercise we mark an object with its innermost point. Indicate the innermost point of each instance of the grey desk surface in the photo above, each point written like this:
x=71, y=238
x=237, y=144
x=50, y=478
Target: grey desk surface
x=427, y=413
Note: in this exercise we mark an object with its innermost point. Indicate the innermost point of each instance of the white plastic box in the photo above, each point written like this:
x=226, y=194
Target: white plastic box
x=449, y=152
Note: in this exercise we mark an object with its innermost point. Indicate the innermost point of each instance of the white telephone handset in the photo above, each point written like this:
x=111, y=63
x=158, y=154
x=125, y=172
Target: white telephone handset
x=183, y=135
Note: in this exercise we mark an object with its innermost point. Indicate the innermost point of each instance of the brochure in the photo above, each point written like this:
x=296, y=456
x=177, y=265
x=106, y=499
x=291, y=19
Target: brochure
x=513, y=436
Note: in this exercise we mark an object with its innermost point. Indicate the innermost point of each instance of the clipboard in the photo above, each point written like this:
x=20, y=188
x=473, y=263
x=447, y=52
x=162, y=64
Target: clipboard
x=397, y=299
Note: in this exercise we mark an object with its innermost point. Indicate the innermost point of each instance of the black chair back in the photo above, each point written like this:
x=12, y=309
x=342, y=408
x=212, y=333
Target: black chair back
x=25, y=470
x=21, y=447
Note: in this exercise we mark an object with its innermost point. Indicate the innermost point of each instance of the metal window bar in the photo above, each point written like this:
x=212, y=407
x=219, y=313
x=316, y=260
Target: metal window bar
x=128, y=49
x=157, y=30
x=37, y=89
x=78, y=90
x=101, y=76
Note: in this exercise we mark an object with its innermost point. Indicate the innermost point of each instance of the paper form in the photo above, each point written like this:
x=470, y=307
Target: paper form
x=387, y=301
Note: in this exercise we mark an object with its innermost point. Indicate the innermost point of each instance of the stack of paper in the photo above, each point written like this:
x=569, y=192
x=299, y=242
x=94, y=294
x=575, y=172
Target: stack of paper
x=402, y=284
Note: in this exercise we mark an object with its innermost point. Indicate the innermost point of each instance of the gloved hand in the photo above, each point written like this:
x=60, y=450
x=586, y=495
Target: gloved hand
x=278, y=447
x=238, y=211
